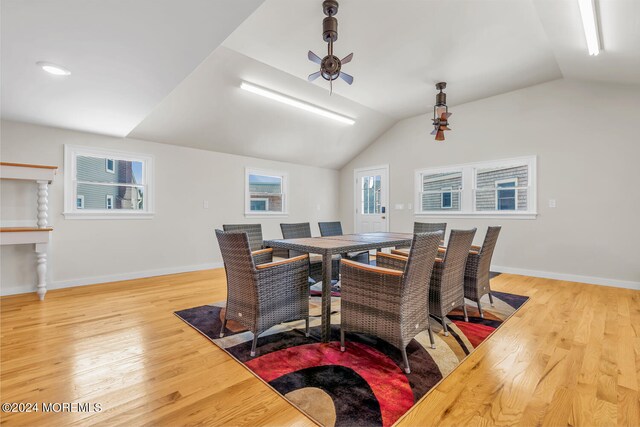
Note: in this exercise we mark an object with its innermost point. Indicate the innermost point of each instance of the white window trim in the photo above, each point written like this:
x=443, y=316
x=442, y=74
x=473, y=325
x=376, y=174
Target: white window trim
x=247, y=195
x=81, y=198
x=108, y=198
x=504, y=181
x=467, y=199
x=106, y=165
x=450, y=191
x=71, y=152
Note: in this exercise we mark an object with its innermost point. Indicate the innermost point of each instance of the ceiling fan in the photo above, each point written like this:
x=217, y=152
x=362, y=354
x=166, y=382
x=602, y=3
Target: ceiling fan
x=441, y=113
x=330, y=65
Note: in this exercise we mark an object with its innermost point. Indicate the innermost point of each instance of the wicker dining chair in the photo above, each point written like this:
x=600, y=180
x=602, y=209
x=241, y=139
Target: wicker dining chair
x=334, y=228
x=476, y=275
x=302, y=230
x=447, y=280
x=390, y=300
x=427, y=227
x=260, y=254
x=262, y=296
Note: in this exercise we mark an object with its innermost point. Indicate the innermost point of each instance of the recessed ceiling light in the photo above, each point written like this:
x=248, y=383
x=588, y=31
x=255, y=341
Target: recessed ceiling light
x=296, y=103
x=590, y=24
x=53, y=68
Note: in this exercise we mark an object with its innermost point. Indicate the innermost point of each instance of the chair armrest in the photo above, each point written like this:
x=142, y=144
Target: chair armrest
x=371, y=268
x=281, y=262
x=261, y=251
x=442, y=249
x=400, y=252
x=392, y=261
x=473, y=252
x=439, y=260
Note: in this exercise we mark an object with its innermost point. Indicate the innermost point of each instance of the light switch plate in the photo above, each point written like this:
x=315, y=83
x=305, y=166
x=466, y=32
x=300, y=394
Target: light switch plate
x=205, y=204
x=399, y=206
x=552, y=203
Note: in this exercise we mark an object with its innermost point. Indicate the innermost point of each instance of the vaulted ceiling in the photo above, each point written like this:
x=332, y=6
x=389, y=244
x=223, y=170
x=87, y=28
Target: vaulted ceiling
x=170, y=71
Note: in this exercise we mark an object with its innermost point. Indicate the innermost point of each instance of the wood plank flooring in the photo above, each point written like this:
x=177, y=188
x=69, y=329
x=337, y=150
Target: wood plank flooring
x=570, y=356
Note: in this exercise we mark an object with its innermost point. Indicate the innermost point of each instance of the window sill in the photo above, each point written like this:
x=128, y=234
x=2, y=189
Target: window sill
x=108, y=215
x=488, y=215
x=266, y=215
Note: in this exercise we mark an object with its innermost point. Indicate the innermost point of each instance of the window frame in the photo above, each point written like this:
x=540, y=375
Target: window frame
x=113, y=166
x=469, y=188
x=515, y=192
x=72, y=152
x=285, y=193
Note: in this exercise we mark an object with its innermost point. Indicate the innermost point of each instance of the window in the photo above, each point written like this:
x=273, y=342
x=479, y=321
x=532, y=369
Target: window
x=499, y=188
x=371, y=203
x=507, y=194
x=259, y=204
x=446, y=201
x=265, y=192
x=110, y=165
x=107, y=184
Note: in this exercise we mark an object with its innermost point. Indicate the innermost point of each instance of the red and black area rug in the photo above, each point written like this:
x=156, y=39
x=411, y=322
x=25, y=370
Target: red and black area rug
x=365, y=385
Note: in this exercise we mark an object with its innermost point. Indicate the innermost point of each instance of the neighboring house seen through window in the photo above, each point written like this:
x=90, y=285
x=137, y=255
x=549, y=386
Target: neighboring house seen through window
x=265, y=192
x=502, y=187
x=105, y=183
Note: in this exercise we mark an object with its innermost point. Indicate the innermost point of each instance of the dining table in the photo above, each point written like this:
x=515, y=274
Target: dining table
x=332, y=245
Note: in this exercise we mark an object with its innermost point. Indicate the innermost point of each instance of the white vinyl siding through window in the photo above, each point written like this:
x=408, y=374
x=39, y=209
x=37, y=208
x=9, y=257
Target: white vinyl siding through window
x=496, y=188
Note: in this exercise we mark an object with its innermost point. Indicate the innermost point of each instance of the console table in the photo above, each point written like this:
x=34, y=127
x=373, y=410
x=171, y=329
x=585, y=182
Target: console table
x=41, y=233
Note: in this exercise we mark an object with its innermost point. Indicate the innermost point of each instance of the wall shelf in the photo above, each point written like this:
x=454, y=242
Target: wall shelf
x=40, y=235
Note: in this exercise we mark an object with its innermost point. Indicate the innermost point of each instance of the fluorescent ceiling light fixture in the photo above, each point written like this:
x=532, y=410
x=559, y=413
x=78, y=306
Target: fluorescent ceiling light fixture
x=295, y=103
x=53, y=68
x=590, y=24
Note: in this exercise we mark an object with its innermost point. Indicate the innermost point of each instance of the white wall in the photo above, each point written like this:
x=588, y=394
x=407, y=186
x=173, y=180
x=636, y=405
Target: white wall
x=181, y=235
x=587, y=139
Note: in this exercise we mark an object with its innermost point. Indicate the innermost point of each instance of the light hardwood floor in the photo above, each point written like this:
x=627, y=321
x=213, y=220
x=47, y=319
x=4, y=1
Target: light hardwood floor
x=570, y=356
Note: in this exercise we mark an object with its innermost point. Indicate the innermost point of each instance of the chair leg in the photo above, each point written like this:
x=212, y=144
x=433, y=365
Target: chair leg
x=466, y=315
x=433, y=343
x=444, y=326
x=306, y=329
x=480, y=310
x=254, y=345
x=491, y=299
x=406, y=361
x=342, y=347
x=224, y=325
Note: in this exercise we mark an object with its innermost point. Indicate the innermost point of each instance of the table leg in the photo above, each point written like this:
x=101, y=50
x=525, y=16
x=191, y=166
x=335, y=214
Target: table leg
x=325, y=334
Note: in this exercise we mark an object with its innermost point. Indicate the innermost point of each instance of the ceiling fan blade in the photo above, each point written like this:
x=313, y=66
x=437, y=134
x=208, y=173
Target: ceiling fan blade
x=346, y=77
x=435, y=130
x=440, y=136
x=313, y=76
x=314, y=58
x=347, y=59
x=445, y=127
x=448, y=115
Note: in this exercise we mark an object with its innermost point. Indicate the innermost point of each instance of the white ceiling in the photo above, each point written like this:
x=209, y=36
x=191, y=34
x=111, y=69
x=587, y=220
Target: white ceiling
x=209, y=109
x=153, y=69
x=402, y=48
x=125, y=56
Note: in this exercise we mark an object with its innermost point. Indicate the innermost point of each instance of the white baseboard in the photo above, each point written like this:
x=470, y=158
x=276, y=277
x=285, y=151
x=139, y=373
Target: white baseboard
x=12, y=290
x=568, y=277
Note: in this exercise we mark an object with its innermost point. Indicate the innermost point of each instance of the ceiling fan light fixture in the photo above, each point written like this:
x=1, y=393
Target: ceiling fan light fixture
x=441, y=113
x=285, y=99
x=590, y=25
